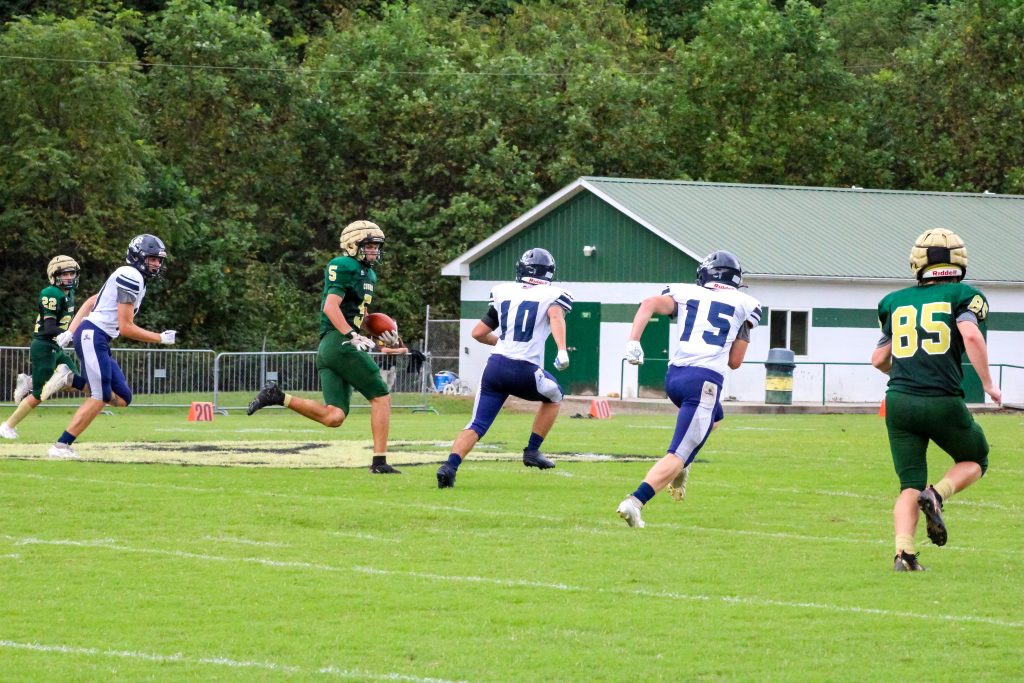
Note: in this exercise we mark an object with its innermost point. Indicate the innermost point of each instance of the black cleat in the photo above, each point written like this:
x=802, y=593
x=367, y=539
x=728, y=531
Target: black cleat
x=905, y=562
x=270, y=395
x=931, y=505
x=446, y=476
x=383, y=468
x=536, y=459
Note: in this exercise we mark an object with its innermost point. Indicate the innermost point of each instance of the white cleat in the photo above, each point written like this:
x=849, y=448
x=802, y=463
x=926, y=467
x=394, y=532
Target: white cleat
x=677, y=489
x=629, y=510
x=61, y=379
x=63, y=451
x=22, y=388
x=7, y=431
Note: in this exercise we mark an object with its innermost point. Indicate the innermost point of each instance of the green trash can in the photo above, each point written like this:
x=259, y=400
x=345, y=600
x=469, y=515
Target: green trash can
x=778, y=382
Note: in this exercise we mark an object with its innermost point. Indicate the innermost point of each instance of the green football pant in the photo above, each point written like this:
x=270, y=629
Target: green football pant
x=45, y=356
x=342, y=368
x=913, y=421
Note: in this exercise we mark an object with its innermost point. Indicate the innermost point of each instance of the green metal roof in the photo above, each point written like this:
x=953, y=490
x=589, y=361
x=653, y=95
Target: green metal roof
x=803, y=231
x=825, y=232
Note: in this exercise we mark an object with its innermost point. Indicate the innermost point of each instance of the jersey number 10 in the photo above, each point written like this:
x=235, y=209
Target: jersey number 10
x=525, y=320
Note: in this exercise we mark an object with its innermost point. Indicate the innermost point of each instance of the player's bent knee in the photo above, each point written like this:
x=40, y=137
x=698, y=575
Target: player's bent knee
x=335, y=418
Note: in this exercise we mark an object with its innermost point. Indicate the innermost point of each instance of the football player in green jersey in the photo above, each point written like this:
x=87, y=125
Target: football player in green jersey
x=342, y=359
x=53, y=330
x=926, y=329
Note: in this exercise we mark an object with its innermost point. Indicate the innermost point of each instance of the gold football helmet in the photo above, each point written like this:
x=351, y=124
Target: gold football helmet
x=59, y=265
x=358, y=234
x=939, y=253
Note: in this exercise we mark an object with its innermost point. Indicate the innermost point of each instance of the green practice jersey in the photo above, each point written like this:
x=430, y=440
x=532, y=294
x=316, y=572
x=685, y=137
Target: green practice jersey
x=54, y=302
x=926, y=345
x=354, y=283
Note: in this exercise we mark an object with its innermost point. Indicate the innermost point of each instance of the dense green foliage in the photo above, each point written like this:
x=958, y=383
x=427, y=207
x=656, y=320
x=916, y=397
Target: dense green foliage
x=246, y=135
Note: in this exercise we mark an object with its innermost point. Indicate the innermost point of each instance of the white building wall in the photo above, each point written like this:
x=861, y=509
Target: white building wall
x=811, y=383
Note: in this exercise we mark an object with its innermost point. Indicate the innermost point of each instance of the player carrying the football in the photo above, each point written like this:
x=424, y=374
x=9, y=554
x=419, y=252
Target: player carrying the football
x=54, y=328
x=926, y=329
x=342, y=358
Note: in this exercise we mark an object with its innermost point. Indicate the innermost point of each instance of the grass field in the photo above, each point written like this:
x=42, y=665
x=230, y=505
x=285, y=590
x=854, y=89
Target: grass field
x=777, y=566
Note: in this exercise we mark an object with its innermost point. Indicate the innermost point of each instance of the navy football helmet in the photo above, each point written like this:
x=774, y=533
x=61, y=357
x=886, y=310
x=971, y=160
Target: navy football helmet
x=536, y=267
x=142, y=247
x=720, y=266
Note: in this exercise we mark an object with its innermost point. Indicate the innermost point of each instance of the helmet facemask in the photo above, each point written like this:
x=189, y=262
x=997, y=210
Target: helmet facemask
x=60, y=265
x=356, y=236
x=140, y=249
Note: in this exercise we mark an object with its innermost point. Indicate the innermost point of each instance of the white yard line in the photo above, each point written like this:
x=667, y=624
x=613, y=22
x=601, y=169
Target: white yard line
x=753, y=601
x=245, y=541
x=178, y=658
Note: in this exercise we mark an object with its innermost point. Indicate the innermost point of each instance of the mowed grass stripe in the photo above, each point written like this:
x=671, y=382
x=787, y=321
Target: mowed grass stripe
x=750, y=601
x=178, y=658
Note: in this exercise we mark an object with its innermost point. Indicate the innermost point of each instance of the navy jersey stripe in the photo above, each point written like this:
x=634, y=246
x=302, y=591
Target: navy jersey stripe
x=125, y=283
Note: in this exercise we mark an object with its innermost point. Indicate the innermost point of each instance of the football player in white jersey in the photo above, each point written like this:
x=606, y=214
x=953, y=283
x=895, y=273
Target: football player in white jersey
x=113, y=314
x=713, y=323
x=519, y=319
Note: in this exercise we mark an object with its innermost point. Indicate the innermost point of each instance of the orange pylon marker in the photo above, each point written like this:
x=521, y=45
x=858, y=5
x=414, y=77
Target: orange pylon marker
x=600, y=409
x=881, y=409
x=200, y=411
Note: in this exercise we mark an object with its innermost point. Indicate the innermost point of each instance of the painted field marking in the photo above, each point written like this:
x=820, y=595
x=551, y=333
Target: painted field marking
x=245, y=541
x=178, y=658
x=108, y=544
x=603, y=524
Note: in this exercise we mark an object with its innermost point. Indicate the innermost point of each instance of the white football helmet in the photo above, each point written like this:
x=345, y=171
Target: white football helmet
x=59, y=265
x=939, y=253
x=358, y=234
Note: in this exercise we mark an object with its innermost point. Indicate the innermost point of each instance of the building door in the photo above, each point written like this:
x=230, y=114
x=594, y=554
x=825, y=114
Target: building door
x=583, y=341
x=651, y=375
x=973, y=391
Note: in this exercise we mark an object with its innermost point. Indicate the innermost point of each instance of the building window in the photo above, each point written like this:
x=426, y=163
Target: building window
x=789, y=330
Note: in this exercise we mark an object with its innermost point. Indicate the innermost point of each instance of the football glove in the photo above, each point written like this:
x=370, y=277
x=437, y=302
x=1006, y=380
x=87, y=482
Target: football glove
x=562, y=360
x=634, y=353
x=360, y=342
x=167, y=337
x=64, y=338
x=390, y=338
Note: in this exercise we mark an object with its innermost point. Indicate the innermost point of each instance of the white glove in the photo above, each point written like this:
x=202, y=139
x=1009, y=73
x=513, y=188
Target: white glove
x=561, y=360
x=167, y=337
x=391, y=338
x=360, y=342
x=634, y=353
x=64, y=338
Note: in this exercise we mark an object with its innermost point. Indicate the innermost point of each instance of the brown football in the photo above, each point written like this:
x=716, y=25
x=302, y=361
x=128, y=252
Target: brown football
x=379, y=323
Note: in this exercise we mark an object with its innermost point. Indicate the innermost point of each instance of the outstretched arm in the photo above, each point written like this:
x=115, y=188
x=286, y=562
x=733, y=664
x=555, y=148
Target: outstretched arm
x=977, y=352
x=661, y=304
x=84, y=310
x=126, y=324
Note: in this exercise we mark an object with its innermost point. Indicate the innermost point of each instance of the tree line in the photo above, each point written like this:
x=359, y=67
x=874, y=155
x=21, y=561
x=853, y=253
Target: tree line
x=247, y=135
